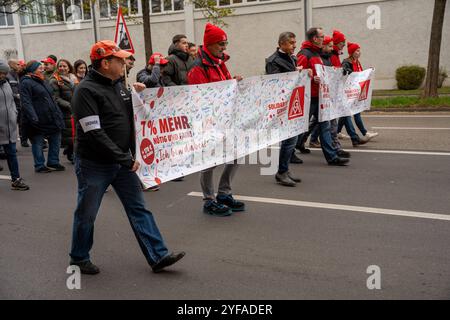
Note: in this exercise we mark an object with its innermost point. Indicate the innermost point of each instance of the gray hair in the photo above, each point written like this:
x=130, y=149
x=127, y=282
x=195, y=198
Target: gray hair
x=285, y=36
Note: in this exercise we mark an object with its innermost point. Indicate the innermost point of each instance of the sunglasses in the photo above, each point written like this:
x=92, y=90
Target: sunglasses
x=223, y=43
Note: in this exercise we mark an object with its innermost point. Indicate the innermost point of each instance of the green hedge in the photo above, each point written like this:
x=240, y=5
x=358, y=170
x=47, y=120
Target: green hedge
x=409, y=77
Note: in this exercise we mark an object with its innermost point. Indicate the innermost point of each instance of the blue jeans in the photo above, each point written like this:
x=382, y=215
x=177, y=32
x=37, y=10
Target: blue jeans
x=359, y=123
x=54, y=143
x=93, y=180
x=326, y=141
x=286, y=150
x=315, y=134
x=347, y=122
x=11, y=158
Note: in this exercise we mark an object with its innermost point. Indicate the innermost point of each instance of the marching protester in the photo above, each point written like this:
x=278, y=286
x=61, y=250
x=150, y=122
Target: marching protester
x=80, y=68
x=349, y=65
x=180, y=62
x=105, y=146
x=49, y=66
x=14, y=75
x=42, y=118
x=8, y=128
x=284, y=60
x=339, y=42
x=129, y=63
x=326, y=55
x=308, y=57
x=210, y=67
x=63, y=83
x=151, y=76
x=193, y=50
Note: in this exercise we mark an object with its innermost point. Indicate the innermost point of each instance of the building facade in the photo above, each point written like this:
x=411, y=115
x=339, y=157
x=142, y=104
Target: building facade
x=391, y=32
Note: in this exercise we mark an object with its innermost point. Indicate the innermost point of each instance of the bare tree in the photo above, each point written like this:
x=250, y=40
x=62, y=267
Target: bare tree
x=431, y=82
x=147, y=29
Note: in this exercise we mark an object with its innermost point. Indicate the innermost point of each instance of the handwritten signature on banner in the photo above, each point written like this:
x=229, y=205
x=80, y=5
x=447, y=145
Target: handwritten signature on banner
x=185, y=129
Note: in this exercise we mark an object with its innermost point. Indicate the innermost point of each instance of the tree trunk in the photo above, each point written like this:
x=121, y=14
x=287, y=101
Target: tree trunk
x=431, y=82
x=147, y=29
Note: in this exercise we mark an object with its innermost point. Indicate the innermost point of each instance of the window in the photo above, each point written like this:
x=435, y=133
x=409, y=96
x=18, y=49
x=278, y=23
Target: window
x=160, y=6
x=5, y=18
x=51, y=11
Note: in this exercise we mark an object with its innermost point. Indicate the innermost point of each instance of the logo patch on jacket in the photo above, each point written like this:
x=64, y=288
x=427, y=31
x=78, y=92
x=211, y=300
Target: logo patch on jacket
x=90, y=123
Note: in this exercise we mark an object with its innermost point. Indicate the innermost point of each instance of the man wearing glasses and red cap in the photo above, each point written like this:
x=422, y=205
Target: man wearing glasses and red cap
x=104, y=155
x=210, y=67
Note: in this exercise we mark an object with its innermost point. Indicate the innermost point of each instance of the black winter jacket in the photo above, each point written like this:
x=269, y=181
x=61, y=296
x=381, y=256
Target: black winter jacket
x=41, y=115
x=176, y=70
x=280, y=62
x=103, y=115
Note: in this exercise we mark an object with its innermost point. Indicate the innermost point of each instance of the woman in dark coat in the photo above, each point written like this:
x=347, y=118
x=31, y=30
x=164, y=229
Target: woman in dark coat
x=42, y=118
x=63, y=83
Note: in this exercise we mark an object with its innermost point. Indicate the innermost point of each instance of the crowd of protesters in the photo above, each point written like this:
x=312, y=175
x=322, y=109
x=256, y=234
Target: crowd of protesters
x=52, y=104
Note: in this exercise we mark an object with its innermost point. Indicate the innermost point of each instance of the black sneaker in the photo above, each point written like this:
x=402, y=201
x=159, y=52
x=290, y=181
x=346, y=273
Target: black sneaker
x=343, y=154
x=43, y=170
x=1, y=168
x=338, y=162
x=86, y=267
x=304, y=151
x=19, y=184
x=56, y=167
x=359, y=142
x=216, y=209
x=167, y=261
x=24, y=144
x=229, y=201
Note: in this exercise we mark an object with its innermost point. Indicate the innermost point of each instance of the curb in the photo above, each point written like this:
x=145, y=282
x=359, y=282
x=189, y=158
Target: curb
x=410, y=109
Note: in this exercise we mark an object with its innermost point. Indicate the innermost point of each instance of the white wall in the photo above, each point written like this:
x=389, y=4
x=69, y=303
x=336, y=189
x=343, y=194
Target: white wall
x=253, y=32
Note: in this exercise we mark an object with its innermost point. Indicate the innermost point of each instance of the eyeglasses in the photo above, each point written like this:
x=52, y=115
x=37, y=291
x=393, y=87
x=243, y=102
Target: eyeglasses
x=223, y=43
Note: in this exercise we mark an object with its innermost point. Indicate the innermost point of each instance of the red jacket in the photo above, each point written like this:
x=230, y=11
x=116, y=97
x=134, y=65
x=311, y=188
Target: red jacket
x=335, y=60
x=208, y=68
x=308, y=57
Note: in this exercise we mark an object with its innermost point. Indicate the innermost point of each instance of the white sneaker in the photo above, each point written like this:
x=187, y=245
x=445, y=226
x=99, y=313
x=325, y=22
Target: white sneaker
x=342, y=136
x=372, y=134
x=365, y=138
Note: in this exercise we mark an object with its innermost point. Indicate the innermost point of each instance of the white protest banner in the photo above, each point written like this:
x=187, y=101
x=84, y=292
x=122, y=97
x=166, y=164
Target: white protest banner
x=185, y=129
x=340, y=95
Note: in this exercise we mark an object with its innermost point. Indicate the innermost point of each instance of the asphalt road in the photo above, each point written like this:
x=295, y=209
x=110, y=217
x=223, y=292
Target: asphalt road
x=309, y=248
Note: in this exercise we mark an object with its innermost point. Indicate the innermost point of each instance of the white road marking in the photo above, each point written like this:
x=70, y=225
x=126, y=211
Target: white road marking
x=5, y=177
x=421, y=153
x=339, y=207
x=408, y=128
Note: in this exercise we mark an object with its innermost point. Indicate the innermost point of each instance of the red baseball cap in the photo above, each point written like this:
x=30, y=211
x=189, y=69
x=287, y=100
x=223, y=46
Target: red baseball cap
x=48, y=60
x=163, y=60
x=106, y=48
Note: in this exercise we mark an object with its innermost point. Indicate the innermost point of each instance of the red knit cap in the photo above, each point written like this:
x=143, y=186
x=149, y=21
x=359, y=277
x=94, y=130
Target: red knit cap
x=338, y=37
x=213, y=34
x=327, y=40
x=352, y=47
